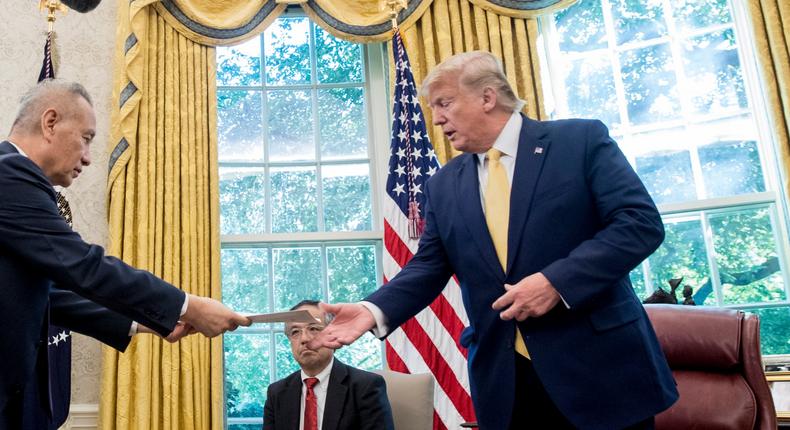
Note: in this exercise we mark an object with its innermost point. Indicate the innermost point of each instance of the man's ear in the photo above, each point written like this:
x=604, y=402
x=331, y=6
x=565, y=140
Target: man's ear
x=489, y=99
x=49, y=118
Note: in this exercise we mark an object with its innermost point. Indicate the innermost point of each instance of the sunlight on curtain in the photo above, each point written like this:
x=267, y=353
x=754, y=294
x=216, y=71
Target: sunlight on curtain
x=771, y=22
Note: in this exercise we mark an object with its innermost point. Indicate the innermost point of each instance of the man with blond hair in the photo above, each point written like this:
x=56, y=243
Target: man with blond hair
x=541, y=221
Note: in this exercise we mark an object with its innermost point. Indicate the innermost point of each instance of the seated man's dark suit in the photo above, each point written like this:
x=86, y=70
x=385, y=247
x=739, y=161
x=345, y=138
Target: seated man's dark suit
x=38, y=250
x=355, y=400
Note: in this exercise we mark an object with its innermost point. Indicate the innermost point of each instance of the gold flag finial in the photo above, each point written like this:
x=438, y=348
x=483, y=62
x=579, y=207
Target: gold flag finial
x=395, y=6
x=51, y=6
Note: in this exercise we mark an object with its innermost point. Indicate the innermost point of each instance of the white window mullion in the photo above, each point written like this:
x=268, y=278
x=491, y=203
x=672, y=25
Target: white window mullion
x=781, y=246
x=686, y=106
x=710, y=252
x=556, y=71
x=645, y=269
x=379, y=114
x=272, y=337
x=324, y=273
x=619, y=85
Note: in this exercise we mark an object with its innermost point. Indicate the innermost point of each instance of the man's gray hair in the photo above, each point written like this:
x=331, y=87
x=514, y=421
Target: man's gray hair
x=39, y=97
x=476, y=70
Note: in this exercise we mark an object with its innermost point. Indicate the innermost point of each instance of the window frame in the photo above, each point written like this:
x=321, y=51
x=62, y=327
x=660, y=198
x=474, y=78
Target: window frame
x=377, y=110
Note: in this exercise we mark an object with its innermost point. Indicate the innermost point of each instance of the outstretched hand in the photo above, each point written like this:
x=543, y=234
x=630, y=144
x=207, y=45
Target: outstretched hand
x=351, y=320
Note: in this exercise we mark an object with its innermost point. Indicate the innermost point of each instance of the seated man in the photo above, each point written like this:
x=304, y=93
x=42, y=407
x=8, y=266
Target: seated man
x=325, y=393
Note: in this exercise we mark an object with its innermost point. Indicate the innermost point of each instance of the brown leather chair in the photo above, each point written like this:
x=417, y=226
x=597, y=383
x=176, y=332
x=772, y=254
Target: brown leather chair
x=715, y=357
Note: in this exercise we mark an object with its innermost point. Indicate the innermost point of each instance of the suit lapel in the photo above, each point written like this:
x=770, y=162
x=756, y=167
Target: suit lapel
x=292, y=400
x=335, y=396
x=467, y=193
x=533, y=148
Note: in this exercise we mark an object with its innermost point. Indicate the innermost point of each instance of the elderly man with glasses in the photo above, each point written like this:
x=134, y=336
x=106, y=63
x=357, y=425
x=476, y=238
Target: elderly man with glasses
x=324, y=394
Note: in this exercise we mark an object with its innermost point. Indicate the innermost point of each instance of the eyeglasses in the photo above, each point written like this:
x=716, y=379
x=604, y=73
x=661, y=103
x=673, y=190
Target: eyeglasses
x=294, y=333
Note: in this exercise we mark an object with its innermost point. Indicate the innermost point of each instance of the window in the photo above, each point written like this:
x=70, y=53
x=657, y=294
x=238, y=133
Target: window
x=675, y=82
x=299, y=214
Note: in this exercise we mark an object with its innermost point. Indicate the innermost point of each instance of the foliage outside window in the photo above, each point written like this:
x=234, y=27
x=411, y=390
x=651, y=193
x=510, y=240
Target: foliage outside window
x=676, y=85
x=296, y=196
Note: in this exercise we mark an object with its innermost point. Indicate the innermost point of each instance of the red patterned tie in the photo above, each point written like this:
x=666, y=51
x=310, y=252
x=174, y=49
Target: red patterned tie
x=310, y=405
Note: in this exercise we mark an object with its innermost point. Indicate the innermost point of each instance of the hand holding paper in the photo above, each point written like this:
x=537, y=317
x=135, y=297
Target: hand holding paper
x=210, y=317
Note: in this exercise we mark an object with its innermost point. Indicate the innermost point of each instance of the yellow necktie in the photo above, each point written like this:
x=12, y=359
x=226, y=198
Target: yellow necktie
x=497, y=206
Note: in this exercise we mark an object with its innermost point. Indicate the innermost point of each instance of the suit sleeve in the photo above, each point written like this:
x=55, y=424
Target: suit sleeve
x=34, y=234
x=74, y=312
x=631, y=225
x=374, y=407
x=421, y=280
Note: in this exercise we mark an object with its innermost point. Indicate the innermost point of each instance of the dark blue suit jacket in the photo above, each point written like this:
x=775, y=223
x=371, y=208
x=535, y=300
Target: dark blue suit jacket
x=355, y=400
x=580, y=215
x=48, y=392
x=38, y=250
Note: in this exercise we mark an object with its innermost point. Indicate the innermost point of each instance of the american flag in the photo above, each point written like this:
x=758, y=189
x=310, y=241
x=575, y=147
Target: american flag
x=429, y=341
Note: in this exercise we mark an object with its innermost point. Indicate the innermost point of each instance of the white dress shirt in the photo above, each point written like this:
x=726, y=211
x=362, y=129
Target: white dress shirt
x=320, y=393
x=507, y=144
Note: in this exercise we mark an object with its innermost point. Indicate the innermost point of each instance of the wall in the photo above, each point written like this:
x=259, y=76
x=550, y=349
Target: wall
x=84, y=44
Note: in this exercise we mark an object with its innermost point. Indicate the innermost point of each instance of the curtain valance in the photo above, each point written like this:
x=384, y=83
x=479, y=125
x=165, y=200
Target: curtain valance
x=225, y=22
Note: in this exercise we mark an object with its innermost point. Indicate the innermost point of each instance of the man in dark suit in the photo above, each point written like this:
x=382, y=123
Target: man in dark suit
x=325, y=394
x=541, y=222
x=49, y=145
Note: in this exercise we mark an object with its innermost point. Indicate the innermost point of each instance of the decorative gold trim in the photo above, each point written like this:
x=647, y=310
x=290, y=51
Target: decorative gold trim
x=777, y=376
x=52, y=6
x=394, y=6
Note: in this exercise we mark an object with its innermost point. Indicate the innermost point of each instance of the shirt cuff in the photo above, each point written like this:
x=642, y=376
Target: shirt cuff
x=567, y=306
x=184, y=306
x=133, y=329
x=381, y=328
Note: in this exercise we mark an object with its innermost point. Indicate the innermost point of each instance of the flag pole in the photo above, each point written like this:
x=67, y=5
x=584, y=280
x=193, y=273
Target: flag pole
x=58, y=390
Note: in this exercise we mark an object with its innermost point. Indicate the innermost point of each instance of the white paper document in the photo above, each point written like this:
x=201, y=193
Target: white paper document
x=297, y=316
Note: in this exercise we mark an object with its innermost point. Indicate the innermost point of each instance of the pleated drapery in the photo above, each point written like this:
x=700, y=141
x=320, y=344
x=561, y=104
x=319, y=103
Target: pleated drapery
x=164, y=217
x=163, y=182
x=771, y=23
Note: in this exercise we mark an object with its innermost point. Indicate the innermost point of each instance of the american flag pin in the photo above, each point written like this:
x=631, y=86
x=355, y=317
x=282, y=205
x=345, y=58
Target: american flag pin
x=539, y=150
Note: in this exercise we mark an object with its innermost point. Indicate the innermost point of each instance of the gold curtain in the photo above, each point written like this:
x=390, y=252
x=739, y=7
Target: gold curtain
x=449, y=27
x=164, y=217
x=771, y=22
